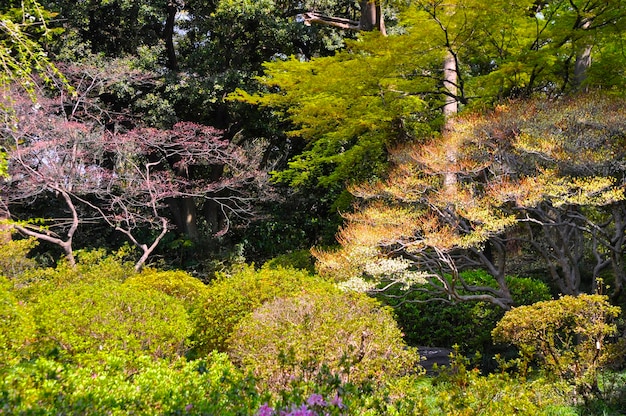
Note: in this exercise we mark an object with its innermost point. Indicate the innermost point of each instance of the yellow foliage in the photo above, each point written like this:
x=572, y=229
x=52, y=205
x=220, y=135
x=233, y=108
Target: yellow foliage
x=520, y=157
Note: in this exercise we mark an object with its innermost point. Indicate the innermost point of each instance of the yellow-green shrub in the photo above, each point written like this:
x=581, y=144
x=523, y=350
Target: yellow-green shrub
x=229, y=299
x=567, y=336
x=295, y=337
x=14, y=256
x=176, y=283
x=17, y=327
x=91, y=265
x=82, y=318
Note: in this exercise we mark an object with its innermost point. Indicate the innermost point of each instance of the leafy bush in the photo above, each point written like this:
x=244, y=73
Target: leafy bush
x=462, y=390
x=176, y=283
x=567, y=336
x=92, y=265
x=299, y=259
x=296, y=337
x=229, y=299
x=83, y=318
x=212, y=386
x=14, y=255
x=17, y=328
x=467, y=325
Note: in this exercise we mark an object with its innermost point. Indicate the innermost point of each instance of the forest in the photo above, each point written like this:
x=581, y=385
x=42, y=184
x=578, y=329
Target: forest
x=278, y=207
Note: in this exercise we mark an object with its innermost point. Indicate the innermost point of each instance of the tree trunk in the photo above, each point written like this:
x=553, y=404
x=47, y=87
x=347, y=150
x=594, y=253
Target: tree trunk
x=583, y=62
x=168, y=35
x=583, y=57
x=185, y=217
x=450, y=109
x=372, y=17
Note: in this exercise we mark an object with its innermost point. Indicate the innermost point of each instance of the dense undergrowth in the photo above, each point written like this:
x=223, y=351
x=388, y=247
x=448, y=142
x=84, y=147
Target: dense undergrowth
x=101, y=338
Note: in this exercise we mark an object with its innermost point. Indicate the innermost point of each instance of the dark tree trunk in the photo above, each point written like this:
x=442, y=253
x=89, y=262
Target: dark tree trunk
x=184, y=216
x=168, y=35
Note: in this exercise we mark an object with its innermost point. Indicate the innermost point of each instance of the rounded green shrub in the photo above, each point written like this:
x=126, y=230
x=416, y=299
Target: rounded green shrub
x=229, y=299
x=299, y=259
x=570, y=337
x=86, y=317
x=176, y=283
x=321, y=329
x=91, y=265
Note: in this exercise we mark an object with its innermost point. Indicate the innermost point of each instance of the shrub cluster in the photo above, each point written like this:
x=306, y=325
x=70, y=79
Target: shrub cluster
x=102, y=339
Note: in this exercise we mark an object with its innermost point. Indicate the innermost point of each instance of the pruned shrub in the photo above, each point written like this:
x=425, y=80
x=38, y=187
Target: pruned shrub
x=91, y=266
x=229, y=299
x=568, y=336
x=14, y=258
x=176, y=283
x=17, y=328
x=299, y=259
x=86, y=317
x=297, y=337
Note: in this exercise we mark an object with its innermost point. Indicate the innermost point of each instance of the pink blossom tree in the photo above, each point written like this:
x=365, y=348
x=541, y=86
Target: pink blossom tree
x=133, y=180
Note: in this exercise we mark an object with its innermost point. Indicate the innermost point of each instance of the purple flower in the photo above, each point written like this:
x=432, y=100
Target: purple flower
x=265, y=410
x=336, y=401
x=316, y=400
x=188, y=407
x=301, y=411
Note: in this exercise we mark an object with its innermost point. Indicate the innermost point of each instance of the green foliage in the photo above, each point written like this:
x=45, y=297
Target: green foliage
x=464, y=391
x=568, y=336
x=176, y=283
x=14, y=258
x=231, y=298
x=466, y=324
x=23, y=26
x=295, y=337
x=348, y=108
x=113, y=27
x=212, y=386
x=79, y=319
x=299, y=259
x=17, y=327
x=91, y=266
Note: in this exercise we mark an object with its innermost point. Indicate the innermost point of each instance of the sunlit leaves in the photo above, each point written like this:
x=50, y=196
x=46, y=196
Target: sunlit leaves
x=349, y=107
x=551, y=164
x=567, y=336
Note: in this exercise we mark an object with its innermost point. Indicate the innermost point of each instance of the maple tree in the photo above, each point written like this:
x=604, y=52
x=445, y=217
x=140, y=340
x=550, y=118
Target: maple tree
x=127, y=178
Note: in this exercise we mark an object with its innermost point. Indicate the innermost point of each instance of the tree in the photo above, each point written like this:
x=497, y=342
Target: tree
x=350, y=107
x=520, y=181
x=126, y=178
x=22, y=25
x=371, y=18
